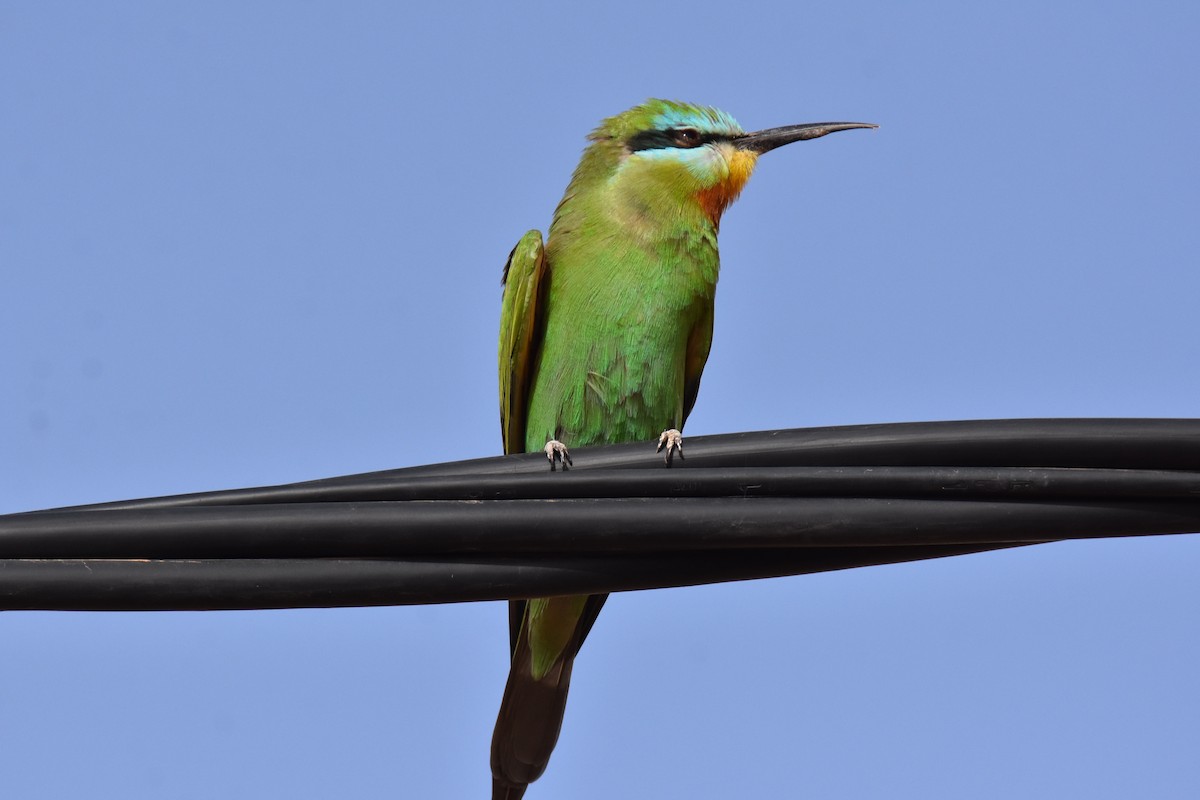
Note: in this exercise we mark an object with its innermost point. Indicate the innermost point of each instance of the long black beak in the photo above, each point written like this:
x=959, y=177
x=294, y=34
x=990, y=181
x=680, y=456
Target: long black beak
x=762, y=141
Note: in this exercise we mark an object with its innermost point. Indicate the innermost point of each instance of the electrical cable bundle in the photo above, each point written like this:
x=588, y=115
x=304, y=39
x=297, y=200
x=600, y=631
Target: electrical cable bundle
x=741, y=506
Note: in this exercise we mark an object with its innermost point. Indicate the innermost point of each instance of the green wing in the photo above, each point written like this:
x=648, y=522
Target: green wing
x=520, y=335
x=520, y=338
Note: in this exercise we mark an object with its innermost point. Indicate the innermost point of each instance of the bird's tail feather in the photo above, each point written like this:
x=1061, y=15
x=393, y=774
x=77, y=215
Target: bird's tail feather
x=504, y=791
x=530, y=718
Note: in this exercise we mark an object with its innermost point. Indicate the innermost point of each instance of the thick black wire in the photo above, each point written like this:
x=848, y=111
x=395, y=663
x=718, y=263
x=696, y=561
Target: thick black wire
x=1145, y=444
x=740, y=506
x=508, y=529
x=195, y=585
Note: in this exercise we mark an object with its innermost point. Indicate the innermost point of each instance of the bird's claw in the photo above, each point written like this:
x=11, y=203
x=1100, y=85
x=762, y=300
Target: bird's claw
x=672, y=440
x=556, y=453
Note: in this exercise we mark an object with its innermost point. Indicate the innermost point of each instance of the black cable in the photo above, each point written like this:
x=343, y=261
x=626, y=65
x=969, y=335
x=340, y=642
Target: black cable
x=586, y=528
x=194, y=585
x=740, y=506
x=1149, y=444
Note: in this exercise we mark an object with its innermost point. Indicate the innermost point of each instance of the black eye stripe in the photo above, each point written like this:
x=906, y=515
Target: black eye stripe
x=658, y=140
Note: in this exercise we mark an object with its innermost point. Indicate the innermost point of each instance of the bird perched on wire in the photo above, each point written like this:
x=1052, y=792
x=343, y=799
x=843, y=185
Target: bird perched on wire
x=604, y=332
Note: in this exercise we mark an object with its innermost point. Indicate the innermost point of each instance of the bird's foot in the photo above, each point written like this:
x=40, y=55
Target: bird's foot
x=672, y=440
x=556, y=453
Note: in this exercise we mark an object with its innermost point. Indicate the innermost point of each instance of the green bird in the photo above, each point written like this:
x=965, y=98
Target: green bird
x=604, y=333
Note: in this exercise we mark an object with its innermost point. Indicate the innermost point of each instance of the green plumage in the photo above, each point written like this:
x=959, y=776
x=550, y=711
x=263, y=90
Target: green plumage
x=604, y=334
x=610, y=351
x=631, y=283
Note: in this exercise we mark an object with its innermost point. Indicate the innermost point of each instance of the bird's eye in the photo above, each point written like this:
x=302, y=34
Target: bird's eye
x=686, y=137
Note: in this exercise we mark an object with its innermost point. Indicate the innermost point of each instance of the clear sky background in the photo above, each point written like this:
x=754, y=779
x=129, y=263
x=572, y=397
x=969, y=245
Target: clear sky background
x=253, y=243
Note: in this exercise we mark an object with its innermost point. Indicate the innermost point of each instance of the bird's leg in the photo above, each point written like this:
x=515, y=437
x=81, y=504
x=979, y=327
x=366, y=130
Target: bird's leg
x=673, y=441
x=556, y=452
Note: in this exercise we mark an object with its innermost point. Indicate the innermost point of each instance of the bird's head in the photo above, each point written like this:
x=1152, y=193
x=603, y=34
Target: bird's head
x=664, y=154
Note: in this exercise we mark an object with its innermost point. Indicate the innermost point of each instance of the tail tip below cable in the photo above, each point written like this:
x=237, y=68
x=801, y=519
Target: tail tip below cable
x=503, y=790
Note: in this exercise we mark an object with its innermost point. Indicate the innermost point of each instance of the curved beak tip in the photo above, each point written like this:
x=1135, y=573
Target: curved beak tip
x=771, y=138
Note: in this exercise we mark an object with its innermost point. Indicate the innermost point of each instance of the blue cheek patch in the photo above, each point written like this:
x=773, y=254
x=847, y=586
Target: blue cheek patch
x=704, y=163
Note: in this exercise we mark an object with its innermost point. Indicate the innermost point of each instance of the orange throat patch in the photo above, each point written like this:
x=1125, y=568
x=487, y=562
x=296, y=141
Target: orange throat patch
x=715, y=199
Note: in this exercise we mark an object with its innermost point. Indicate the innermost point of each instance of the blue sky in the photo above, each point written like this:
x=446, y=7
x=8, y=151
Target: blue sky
x=245, y=244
